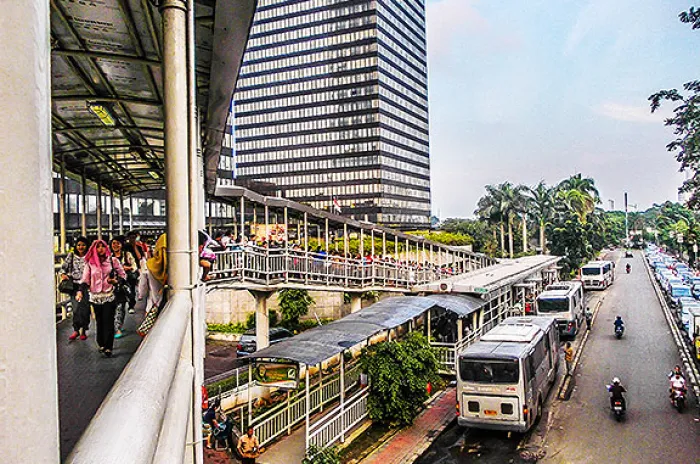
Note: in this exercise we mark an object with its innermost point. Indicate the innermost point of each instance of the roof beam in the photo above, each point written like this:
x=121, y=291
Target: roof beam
x=105, y=56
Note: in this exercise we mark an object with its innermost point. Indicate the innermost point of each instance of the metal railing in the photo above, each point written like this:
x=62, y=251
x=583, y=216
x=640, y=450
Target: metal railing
x=277, y=265
x=338, y=422
x=282, y=418
x=152, y=396
x=447, y=352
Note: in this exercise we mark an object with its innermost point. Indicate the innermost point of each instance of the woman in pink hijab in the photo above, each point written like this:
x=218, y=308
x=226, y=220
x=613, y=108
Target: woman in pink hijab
x=99, y=276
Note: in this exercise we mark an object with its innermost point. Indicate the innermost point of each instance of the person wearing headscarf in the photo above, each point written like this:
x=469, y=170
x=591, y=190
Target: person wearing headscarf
x=99, y=276
x=72, y=268
x=157, y=272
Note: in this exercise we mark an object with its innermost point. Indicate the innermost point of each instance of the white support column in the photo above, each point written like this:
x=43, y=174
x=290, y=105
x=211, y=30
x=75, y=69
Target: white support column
x=267, y=224
x=84, y=206
x=242, y=233
x=327, y=237
x=121, y=213
x=99, y=208
x=61, y=208
x=262, y=319
x=28, y=375
x=111, y=214
x=342, y=391
x=131, y=212
x=355, y=302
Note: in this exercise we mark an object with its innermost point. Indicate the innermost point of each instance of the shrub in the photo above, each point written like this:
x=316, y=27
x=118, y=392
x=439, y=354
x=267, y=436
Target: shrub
x=317, y=455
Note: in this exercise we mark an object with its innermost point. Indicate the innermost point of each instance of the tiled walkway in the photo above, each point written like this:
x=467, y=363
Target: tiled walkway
x=85, y=376
x=407, y=445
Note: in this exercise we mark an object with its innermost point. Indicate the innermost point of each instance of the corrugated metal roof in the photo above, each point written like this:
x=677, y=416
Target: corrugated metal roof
x=462, y=305
x=107, y=91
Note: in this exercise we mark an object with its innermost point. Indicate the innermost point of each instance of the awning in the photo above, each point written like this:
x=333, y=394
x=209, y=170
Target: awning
x=461, y=305
x=322, y=343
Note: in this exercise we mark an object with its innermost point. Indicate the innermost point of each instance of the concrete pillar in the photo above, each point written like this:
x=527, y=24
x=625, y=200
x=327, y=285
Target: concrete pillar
x=355, y=302
x=460, y=327
x=28, y=379
x=262, y=319
x=242, y=233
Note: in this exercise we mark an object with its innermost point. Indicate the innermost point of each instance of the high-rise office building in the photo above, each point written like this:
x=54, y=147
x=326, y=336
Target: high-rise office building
x=331, y=107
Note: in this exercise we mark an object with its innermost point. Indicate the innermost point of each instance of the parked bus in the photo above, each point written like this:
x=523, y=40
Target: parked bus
x=504, y=378
x=598, y=275
x=563, y=301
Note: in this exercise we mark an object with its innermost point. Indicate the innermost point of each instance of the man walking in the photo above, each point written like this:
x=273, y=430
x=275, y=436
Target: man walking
x=568, y=357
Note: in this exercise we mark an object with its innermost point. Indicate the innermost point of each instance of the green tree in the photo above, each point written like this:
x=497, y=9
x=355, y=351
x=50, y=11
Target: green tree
x=489, y=209
x=685, y=122
x=399, y=373
x=293, y=303
x=540, y=207
x=482, y=233
x=318, y=455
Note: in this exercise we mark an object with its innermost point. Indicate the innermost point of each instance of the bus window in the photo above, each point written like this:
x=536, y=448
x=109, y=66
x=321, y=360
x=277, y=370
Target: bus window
x=485, y=371
x=553, y=305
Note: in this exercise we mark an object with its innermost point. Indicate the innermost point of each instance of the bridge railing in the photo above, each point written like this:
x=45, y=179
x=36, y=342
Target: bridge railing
x=278, y=265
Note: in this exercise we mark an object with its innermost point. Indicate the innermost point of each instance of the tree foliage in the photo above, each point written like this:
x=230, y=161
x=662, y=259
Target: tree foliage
x=685, y=122
x=293, y=304
x=318, y=455
x=399, y=373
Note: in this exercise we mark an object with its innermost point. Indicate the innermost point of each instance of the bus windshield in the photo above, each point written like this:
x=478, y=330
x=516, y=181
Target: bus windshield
x=590, y=270
x=553, y=305
x=489, y=371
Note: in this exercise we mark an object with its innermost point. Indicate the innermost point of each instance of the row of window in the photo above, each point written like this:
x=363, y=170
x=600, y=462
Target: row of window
x=322, y=44
x=312, y=71
x=398, y=190
x=413, y=219
x=405, y=179
x=295, y=140
x=326, y=164
x=308, y=112
x=243, y=95
x=420, y=114
x=288, y=19
x=388, y=76
x=349, y=189
x=271, y=36
x=407, y=22
x=315, y=124
x=388, y=33
x=271, y=9
x=279, y=64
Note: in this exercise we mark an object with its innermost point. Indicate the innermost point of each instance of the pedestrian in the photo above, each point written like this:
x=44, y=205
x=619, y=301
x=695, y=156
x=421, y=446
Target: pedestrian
x=249, y=447
x=157, y=277
x=568, y=357
x=72, y=268
x=122, y=299
x=589, y=318
x=99, y=277
x=137, y=249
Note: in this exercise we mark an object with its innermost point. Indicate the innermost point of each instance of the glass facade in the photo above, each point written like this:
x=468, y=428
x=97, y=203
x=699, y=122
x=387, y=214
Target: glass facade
x=331, y=104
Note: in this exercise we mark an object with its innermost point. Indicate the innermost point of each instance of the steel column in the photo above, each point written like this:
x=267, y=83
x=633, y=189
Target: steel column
x=61, y=207
x=121, y=213
x=84, y=201
x=99, y=208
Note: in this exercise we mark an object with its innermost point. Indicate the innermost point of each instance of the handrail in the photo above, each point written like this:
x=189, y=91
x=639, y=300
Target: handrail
x=127, y=426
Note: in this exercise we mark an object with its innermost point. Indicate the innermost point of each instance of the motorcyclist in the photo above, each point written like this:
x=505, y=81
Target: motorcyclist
x=629, y=267
x=676, y=370
x=616, y=390
x=619, y=323
x=677, y=385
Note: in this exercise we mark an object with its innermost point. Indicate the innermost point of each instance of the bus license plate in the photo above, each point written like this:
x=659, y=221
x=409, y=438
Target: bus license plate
x=490, y=412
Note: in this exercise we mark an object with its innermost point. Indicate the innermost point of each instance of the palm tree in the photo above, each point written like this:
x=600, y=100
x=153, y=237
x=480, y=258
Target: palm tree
x=512, y=204
x=580, y=203
x=540, y=206
x=489, y=209
x=583, y=185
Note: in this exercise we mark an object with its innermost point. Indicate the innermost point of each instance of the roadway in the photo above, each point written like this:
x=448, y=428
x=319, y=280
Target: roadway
x=582, y=430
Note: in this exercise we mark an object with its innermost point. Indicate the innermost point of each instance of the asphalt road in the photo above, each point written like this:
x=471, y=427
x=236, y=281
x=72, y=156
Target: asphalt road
x=582, y=430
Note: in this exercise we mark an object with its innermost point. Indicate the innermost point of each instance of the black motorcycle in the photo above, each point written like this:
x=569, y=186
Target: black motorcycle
x=619, y=330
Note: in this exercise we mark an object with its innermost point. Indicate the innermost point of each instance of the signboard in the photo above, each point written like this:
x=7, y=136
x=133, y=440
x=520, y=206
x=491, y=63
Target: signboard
x=281, y=375
x=481, y=290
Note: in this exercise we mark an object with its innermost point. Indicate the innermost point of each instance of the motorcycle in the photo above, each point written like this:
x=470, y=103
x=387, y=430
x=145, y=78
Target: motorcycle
x=619, y=330
x=628, y=268
x=678, y=399
x=618, y=410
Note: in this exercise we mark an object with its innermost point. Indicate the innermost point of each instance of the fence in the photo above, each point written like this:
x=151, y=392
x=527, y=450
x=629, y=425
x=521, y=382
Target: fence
x=333, y=426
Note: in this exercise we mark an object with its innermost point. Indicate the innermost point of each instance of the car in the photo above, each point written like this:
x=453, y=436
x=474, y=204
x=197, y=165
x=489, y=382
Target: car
x=247, y=344
x=628, y=254
x=676, y=292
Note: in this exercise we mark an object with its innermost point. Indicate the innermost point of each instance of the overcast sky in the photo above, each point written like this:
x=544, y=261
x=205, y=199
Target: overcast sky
x=530, y=90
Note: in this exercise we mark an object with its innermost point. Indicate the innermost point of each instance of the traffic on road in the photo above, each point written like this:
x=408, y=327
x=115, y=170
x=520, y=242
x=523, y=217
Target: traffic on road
x=620, y=404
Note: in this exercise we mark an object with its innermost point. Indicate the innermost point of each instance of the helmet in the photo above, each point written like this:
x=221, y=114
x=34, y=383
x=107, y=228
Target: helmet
x=616, y=381
x=619, y=317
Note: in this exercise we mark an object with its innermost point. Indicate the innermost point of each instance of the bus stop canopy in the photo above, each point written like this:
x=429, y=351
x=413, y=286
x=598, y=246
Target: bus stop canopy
x=461, y=305
x=322, y=343
x=107, y=86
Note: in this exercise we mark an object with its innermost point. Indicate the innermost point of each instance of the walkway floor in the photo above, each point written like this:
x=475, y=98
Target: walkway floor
x=407, y=445
x=85, y=376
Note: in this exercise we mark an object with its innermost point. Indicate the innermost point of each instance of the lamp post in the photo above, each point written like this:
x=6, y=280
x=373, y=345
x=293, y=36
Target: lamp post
x=679, y=238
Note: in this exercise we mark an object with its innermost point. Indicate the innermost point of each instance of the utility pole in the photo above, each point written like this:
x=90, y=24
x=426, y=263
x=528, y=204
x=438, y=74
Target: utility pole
x=612, y=205
x=627, y=232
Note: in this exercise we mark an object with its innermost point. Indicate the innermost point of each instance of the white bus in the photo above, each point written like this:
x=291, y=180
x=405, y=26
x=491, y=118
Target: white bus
x=598, y=275
x=563, y=301
x=504, y=378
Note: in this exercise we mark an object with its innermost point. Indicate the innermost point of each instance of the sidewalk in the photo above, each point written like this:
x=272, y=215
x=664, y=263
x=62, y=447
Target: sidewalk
x=407, y=445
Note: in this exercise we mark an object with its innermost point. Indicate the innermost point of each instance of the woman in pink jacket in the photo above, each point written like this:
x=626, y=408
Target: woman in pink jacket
x=101, y=272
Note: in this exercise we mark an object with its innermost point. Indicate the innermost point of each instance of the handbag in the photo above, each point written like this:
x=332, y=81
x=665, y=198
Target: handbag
x=121, y=289
x=150, y=320
x=68, y=286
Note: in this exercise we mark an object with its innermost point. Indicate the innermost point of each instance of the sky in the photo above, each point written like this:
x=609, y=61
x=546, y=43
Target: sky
x=524, y=91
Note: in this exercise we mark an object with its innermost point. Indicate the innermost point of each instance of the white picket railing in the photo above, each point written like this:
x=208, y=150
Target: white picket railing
x=333, y=426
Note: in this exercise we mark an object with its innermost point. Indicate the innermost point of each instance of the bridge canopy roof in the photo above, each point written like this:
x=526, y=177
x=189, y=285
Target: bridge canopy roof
x=107, y=86
x=321, y=343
